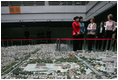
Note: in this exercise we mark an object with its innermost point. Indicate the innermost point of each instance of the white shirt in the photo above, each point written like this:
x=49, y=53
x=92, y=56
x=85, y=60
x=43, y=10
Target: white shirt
x=110, y=25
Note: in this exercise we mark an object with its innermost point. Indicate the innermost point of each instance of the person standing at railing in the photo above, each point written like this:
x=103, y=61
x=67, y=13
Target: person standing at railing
x=100, y=34
x=91, y=33
x=82, y=32
x=110, y=27
x=76, y=32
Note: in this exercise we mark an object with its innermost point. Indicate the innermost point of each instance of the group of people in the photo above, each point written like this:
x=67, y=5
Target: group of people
x=92, y=31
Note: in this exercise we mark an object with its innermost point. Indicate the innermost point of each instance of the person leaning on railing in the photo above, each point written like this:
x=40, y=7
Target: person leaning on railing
x=91, y=33
x=76, y=32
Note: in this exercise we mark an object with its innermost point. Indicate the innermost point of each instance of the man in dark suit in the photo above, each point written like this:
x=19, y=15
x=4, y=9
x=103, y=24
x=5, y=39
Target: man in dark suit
x=100, y=34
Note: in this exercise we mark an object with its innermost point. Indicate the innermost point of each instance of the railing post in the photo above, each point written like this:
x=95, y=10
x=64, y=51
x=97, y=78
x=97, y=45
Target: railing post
x=59, y=43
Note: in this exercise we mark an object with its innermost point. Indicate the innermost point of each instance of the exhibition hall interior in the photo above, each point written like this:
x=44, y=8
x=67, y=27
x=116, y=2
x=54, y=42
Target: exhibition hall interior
x=59, y=39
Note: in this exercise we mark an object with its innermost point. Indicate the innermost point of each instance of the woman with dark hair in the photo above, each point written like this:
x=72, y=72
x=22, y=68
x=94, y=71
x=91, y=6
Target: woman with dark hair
x=82, y=31
x=91, y=33
x=100, y=34
x=76, y=32
x=110, y=27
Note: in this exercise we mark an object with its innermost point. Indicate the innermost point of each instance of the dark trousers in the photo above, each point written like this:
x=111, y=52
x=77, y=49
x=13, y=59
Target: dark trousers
x=99, y=42
x=115, y=41
x=108, y=34
x=81, y=41
x=76, y=43
x=91, y=42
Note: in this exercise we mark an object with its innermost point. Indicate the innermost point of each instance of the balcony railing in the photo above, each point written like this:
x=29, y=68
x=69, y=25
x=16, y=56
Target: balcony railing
x=58, y=41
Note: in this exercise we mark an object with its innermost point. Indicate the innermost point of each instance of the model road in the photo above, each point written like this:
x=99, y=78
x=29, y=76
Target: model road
x=98, y=73
x=16, y=66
